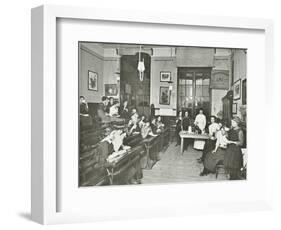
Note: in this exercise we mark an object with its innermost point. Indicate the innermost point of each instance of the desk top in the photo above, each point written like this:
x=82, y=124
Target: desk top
x=185, y=134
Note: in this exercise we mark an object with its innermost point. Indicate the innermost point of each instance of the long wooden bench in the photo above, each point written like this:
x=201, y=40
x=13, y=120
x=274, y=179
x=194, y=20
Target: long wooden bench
x=118, y=171
x=146, y=151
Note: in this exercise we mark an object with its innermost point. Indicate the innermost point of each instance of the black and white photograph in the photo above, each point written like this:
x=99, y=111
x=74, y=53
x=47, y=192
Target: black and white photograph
x=138, y=129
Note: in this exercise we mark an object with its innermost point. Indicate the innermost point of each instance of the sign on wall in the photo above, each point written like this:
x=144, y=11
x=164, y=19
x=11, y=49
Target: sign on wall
x=220, y=79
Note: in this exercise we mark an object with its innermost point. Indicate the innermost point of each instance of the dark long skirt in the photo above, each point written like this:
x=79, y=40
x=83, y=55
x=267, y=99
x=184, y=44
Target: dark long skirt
x=212, y=159
x=233, y=160
x=208, y=147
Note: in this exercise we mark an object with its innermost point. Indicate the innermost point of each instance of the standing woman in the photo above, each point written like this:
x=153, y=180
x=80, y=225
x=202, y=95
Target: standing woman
x=233, y=159
x=186, y=122
x=178, y=127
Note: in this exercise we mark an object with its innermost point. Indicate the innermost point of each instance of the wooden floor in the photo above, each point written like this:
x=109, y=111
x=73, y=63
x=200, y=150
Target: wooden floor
x=175, y=167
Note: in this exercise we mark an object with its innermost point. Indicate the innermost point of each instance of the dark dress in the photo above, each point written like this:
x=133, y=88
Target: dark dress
x=124, y=113
x=212, y=159
x=233, y=159
x=185, y=124
x=208, y=147
x=178, y=129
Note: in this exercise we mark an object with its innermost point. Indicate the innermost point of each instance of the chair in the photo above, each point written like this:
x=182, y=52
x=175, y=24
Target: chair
x=220, y=169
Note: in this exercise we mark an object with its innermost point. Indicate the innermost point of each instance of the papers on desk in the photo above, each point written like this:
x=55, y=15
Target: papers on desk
x=114, y=157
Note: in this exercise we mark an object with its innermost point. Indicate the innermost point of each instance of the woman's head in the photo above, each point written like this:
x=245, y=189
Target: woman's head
x=125, y=103
x=180, y=113
x=82, y=99
x=235, y=122
x=159, y=118
x=111, y=100
x=153, y=120
x=213, y=119
x=186, y=113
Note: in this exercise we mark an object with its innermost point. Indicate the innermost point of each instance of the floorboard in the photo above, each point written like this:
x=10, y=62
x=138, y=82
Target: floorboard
x=174, y=167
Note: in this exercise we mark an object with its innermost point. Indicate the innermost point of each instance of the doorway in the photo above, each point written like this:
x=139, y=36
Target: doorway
x=194, y=90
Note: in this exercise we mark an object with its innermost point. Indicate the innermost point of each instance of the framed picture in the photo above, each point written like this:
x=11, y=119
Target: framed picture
x=234, y=108
x=111, y=90
x=56, y=195
x=165, y=76
x=237, y=90
x=92, y=81
x=244, y=92
x=164, y=96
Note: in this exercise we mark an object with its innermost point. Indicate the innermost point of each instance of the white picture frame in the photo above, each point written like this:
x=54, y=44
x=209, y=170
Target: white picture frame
x=46, y=184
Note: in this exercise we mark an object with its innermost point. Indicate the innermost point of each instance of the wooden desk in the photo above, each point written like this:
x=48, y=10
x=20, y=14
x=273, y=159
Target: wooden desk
x=124, y=162
x=185, y=134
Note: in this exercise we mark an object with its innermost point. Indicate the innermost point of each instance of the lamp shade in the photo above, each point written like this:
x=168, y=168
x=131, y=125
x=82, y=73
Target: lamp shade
x=141, y=67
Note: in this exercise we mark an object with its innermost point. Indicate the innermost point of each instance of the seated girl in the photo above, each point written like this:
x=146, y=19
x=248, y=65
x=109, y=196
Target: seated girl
x=160, y=125
x=113, y=110
x=142, y=121
x=154, y=126
x=216, y=156
x=146, y=131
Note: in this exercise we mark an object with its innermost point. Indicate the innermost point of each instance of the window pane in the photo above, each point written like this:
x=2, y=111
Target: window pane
x=206, y=91
x=199, y=81
x=189, y=82
x=181, y=90
x=198, y=91
x=182, y=82
x=189, y=91
x=206, y=82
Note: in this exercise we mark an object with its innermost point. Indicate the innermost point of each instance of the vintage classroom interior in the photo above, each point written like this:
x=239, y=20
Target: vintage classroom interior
x=156, y=80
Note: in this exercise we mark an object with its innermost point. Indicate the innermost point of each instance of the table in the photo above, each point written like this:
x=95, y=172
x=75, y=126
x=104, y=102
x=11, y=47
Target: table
x=185, y=134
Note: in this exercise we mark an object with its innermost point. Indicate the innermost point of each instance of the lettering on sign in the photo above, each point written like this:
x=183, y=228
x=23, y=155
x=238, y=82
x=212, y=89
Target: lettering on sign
x=220, y=80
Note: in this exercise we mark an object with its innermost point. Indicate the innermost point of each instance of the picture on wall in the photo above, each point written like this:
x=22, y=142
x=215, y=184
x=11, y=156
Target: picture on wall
x=244, y=90
x=111, y=90
x=92, y=81
x=237, y=90
x=165, y=76
x=164, y=96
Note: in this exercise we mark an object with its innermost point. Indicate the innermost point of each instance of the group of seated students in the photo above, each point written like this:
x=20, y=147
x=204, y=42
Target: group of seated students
x=223, y=146
x=133, y=124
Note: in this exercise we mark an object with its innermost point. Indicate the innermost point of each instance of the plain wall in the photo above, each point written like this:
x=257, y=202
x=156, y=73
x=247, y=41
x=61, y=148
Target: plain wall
x=159, y=64
x=239, y=73
x=93, y=62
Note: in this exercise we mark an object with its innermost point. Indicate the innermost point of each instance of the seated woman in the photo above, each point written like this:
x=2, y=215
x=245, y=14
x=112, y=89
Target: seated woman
x=105, y=148
x=142, y=121
x=147, y=131
x=210, y=143
x=159, y=124
x=233, y=160
x=109, y=104
x=113, y=142
x=154, y=126
x=215, y=156
x=113, y=110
